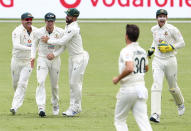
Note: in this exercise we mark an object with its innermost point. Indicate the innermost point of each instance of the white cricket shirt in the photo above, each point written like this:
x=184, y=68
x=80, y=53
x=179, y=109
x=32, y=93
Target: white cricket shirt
x=22, y=42
x=169, y=34
x=71, y=39
x=138, y=56
x=45, y=49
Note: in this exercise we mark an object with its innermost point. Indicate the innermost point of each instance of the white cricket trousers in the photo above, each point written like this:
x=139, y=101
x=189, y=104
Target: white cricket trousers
x=45, y=66
x=161, y=67
x=77, y=67
x=21, y=71
x=128, y=99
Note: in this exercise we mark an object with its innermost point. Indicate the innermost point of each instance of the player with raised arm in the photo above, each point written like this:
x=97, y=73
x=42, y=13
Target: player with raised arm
x=78, y=59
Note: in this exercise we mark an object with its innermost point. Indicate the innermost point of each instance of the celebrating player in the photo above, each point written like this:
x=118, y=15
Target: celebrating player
x=132, y=95
x=48, y=62
x=166, y=40
x=78, y=59
x=22, y=38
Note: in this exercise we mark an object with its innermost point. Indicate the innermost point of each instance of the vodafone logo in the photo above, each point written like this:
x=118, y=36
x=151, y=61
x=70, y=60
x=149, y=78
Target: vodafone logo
x=129, y=3
x=6, y=4
x=111, y=3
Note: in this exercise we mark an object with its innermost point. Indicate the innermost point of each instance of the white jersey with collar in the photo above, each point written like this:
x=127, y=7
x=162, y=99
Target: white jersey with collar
x=22, y=42
x=169, y=34
x=45, y=49
x=71, y=39
x=133, y=52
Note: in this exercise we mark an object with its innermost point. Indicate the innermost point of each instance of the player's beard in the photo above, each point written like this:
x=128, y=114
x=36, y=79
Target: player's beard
x=68, y=21
x=28, y=24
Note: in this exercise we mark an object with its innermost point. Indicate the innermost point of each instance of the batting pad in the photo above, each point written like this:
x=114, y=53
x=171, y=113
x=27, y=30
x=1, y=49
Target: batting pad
x=177, y=95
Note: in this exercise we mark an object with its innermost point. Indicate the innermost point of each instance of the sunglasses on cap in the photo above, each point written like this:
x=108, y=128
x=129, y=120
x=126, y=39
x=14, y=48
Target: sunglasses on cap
x=28, y=19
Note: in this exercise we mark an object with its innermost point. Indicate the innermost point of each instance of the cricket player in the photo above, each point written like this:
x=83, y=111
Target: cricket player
x=167, y=39
x=133, y=94
x=78, y=59
x=22, y=38
x=44, y=65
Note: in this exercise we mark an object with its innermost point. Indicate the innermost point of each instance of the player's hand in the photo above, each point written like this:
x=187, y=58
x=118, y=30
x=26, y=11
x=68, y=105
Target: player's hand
x=115, y=80
x=150, y=51
x=45, y=39
x=32, y=62
x=50, y=56
x=164, y=47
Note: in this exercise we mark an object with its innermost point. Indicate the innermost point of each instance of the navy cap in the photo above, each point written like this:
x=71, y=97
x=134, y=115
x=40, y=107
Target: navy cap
x=26, y=15
x=50, y=17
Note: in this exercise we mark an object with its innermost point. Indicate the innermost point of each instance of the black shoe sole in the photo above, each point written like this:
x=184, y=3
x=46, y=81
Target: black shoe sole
x=154, y=120
x=42, y=114
x=12, y=111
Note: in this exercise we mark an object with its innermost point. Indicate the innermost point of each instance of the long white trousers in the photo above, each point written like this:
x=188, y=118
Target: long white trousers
x=168, y=68
x=77, y=67
x=21, y=71
x=45, y=66
x=128, y=99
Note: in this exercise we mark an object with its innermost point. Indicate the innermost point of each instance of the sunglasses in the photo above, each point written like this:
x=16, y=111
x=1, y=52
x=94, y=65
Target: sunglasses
x=28, y=19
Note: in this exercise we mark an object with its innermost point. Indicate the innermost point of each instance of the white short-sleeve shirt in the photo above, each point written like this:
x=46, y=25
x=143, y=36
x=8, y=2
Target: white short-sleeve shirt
x=138, y=56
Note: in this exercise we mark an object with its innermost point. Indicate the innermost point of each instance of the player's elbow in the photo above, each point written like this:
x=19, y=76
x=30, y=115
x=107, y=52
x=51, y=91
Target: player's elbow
x=183, y=44
x=130, y=69
x=146, y=68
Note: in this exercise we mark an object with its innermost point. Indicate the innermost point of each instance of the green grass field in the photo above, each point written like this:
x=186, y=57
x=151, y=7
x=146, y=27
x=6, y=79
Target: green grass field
x=103, y=41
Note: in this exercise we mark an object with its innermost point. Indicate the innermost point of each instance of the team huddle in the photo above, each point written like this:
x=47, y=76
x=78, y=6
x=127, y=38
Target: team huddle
x=51, y=41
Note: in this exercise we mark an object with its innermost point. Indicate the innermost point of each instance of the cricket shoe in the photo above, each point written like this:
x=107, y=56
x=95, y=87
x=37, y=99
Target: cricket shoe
x=181, y=109
x=70, y=113
x=55, y=110
x=155, y=118
x=42, y=114
x=13, y=111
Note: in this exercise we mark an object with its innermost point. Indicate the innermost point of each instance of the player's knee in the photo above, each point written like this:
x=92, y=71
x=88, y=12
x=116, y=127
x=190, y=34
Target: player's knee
x=55, y=86
x=41, y=83
x=177, y=95
x=76, y=87
x=174, y=90
x=23, y=84
x=156, y=87
x=73, y=85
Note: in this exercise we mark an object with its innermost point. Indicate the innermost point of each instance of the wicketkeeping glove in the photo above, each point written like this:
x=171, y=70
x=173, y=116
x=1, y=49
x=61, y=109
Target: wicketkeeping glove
x=164, y=48
x=150, y=51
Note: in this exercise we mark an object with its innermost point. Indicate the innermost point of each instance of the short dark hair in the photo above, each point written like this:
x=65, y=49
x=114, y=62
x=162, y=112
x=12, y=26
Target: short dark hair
x=132, y=31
